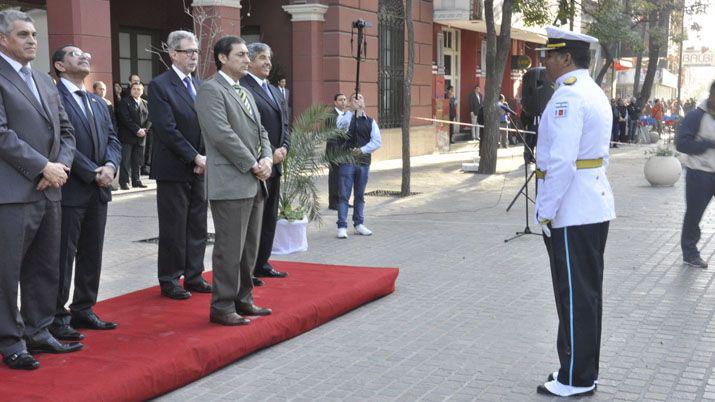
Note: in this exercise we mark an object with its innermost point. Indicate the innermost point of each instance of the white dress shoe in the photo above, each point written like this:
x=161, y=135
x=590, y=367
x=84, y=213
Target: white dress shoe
x=342, y=233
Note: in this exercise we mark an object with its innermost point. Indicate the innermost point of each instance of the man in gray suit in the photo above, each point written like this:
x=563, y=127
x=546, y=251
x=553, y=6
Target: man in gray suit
x=239, y=160
x=36, y=152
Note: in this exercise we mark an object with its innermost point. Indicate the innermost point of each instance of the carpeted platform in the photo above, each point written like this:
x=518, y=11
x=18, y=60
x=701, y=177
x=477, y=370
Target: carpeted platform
x=162, y=344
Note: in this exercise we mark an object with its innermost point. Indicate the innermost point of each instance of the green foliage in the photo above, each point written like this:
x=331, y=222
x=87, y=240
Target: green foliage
x=661, y=151
x=535, y=12
x=611, y=23
x=305, y=160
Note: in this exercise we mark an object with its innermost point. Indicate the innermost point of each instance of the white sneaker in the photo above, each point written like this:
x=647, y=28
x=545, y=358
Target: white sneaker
x=362, y=230
x=342, y=233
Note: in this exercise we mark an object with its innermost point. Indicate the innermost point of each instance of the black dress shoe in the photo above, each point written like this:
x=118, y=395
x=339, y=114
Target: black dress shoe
x=65, y=333
x=124, y=186
x=21, y=361
x=52, y=345
x=253, y=310
x=333, y=207
x=230, y=319
x=257, y=282
x=139, y=185
x=89, y=320
x=200, y=287
x=176, y=293
x=270, y=273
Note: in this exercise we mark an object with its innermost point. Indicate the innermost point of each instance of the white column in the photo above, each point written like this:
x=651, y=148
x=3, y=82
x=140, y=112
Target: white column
x=306, y=12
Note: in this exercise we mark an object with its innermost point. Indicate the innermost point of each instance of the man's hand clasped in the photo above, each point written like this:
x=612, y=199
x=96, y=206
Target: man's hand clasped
x=263, y=169
x=141, y=133
x=200, y=164
x=104, y=177
x=279, y=155
x=53, y=175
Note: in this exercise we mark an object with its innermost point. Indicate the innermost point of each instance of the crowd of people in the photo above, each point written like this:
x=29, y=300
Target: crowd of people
x=219, y=142
x=656, y=114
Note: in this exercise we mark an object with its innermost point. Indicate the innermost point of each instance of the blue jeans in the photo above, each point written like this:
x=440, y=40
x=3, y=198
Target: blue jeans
x=352, y=176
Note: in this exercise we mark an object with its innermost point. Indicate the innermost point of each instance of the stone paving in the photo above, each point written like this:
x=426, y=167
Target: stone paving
x=472, y=318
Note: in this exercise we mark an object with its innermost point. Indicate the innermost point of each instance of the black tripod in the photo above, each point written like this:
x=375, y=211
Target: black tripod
x=524, y=190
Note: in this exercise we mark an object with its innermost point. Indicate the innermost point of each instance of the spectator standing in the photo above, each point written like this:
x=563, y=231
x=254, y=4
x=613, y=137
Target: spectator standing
x=179, y=170
x=84, y=197
x=36, y=153
x=503, y=107
x=657, y=113
x=282, y=87
x=622, y=115
x=274, y=118
x=340, y=103
x=633, y=116
x=134, y=126
x=240, y=160
x=475, y=105
x=452, y=100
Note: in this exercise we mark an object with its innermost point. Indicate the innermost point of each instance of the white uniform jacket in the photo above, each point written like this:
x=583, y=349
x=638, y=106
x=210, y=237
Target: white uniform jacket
x=575, y=125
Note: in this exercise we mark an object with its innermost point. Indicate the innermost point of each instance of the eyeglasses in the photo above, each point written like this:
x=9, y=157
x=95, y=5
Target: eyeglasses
x=189, y=52
x=79, y=53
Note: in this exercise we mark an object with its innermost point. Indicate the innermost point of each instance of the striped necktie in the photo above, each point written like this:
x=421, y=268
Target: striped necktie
x=244, y=98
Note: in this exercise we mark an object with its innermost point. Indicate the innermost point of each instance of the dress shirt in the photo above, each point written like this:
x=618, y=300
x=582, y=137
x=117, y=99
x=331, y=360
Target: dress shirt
x=343, y=121
x=15, y=65
x=72, y=88
x=182, y=76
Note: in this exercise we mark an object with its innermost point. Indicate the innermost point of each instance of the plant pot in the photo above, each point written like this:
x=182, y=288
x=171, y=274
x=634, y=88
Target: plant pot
x=291, y=236
x=662, y=170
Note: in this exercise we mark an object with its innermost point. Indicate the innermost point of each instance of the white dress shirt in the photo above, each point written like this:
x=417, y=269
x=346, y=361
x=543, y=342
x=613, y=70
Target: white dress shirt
x=72, y=88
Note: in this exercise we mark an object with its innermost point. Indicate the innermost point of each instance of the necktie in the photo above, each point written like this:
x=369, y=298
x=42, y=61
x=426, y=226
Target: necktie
x=244, y=98
x=190, y=87
x=27, y=77
x=91, y=120
x=268, y=92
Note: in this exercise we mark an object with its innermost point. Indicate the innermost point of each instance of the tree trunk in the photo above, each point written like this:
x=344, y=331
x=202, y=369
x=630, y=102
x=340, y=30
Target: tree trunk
x=660, y=19
x=604, y=69
x=407, y=99
x=498, y=49
x=639, y=64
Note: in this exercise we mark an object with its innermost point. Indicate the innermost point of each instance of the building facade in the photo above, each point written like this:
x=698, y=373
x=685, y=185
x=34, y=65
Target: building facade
x=314, y=45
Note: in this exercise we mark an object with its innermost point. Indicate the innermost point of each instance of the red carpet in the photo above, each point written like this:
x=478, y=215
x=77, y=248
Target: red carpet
x=163, y=344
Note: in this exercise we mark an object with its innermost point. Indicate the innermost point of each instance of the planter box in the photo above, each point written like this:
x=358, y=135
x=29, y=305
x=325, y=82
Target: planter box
x=291, y=237
x=662, y=170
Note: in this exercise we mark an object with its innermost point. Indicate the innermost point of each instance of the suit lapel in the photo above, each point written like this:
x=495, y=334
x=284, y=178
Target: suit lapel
x=257, y=89
x=8, y=72
x=69, y=100
x=235, y=95
x=181, y=89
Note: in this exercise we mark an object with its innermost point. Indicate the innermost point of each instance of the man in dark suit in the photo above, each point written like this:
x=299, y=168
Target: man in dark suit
x=84, y=197
x=475, y=105
x=283, y=89
x=274, y=119
x=340, y=101
x=134, y=127
x=36, y=152
x=239, y=161
x=179, y=166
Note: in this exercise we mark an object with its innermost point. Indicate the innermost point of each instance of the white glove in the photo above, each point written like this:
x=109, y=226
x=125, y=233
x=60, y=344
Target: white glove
x=545, y=227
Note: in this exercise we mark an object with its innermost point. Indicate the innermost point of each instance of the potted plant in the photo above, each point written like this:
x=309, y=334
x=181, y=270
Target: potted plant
x=662, y=168
x=299, y=204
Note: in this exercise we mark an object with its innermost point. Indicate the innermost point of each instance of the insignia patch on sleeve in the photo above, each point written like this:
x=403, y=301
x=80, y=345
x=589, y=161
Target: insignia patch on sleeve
x=561, y=109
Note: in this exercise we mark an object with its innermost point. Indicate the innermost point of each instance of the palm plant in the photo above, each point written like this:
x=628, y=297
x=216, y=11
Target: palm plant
x=305, y=160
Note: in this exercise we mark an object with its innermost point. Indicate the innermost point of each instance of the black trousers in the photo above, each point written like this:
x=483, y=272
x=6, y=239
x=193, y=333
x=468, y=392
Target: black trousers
x=333, y=177
x=82, y=237
x=576, y=256
x=30, y=250
x=148, y=146
x=622, y=134
x=268, y=225
x=132, y=160
x=699, y=190
x=182, y=211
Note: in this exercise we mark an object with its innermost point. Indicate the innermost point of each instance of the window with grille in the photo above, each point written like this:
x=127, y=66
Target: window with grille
x=134, y=54
x=391, y=62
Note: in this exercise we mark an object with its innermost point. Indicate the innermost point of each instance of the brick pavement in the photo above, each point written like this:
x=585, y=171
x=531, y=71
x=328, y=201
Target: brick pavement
x=472, y=318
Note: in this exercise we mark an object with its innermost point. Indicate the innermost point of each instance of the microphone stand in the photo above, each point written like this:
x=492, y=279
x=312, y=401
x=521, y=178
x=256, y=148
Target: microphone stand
x=524, y=190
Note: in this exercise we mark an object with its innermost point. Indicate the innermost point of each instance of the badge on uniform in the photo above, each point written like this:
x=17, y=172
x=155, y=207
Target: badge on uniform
x=561, y=109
